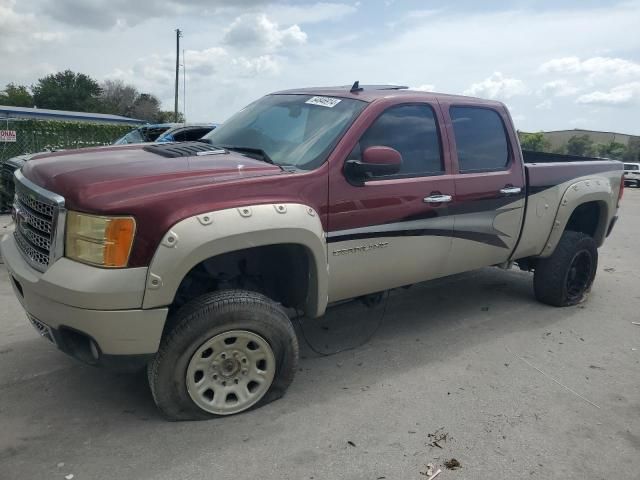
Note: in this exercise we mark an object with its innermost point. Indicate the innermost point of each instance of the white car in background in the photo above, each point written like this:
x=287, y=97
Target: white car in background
x=632, y=174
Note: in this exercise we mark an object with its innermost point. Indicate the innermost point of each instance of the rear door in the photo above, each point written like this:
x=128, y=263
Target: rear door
x=387, y=233
x=489, y=185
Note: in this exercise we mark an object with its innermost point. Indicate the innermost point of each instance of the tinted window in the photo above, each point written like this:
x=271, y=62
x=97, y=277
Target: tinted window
x=191, y=134
x=631, y=166
x=150, y=134
x=480, y=139
x=413, y=131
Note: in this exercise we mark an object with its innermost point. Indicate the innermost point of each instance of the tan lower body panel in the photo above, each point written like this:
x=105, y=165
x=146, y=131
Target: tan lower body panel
x=359, y=267
x=131, y=331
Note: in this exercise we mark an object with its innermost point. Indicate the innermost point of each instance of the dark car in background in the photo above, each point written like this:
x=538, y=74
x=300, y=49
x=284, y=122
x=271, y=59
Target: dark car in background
x=186, y=132
x=166, y=132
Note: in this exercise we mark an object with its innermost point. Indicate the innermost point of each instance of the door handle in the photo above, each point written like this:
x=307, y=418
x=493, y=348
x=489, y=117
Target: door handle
x=437, y=199
x=510, y=190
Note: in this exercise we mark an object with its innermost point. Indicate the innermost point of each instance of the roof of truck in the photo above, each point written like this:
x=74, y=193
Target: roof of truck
x=369, y=93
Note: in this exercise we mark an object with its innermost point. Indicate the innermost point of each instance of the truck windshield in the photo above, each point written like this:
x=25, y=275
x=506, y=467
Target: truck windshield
x=292, y=130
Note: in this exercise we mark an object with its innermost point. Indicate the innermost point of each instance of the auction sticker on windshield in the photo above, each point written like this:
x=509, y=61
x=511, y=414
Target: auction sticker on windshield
x=323, y=101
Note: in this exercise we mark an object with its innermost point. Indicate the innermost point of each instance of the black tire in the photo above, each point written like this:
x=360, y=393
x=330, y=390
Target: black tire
x=565, y=278
x=202, y=319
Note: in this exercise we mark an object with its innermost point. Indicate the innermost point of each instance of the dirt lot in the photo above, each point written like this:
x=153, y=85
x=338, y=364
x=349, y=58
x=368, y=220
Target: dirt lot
x=518, y=390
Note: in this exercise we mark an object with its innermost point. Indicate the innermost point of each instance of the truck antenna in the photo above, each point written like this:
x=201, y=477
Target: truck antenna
x=356, y=87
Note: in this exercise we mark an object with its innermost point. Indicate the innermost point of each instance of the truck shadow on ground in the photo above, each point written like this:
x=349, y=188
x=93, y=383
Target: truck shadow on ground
x=415, y=327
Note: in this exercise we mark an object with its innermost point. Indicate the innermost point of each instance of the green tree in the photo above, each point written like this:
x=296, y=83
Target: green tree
x=165, y=116
x=581, y=145
x=611, y=149
x=117, y=98
x=534, y=141
x=632, y=154
x=67, y=91
x=16, y=96
x=146, y=107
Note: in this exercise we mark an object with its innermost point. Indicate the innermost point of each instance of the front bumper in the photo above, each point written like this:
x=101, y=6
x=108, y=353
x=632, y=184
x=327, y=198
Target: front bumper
x=90, y=313
x=632, y=180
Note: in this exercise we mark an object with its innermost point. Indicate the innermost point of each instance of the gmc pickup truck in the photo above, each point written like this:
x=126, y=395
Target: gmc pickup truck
x=186, y=258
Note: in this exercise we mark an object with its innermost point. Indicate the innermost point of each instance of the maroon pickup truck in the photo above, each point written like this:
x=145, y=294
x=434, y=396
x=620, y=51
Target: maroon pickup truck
x=186, y=258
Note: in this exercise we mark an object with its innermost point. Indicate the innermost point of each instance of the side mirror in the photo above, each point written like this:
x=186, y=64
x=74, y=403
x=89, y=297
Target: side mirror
x=375, y=161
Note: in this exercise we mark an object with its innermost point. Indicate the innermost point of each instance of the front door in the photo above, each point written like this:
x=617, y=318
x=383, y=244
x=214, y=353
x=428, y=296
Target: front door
x=393, y=230
x=489, y=186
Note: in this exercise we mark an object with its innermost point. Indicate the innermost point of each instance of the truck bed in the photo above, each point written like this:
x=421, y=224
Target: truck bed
x=545, y=170
x=531, y=156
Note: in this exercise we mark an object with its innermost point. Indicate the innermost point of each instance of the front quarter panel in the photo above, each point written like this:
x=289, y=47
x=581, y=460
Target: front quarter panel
x=207, y=235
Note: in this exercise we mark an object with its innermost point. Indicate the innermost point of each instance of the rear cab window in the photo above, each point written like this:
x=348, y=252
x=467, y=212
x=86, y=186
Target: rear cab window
x=480, y=138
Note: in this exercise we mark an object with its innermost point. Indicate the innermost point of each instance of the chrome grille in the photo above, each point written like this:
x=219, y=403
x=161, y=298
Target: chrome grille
x=39, y=216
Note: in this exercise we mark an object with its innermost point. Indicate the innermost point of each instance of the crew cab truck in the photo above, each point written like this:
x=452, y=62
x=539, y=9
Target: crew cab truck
x=185, y=258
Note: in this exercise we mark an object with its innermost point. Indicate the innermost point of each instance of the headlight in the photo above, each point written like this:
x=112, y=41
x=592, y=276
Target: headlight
x=101, y=241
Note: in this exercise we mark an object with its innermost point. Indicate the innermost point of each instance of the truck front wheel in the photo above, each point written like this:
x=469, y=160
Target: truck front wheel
x=229, y=351
x=565, y=277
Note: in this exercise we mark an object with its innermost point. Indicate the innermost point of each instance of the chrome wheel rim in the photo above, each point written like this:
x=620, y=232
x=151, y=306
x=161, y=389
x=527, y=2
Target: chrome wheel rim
x=230, y=372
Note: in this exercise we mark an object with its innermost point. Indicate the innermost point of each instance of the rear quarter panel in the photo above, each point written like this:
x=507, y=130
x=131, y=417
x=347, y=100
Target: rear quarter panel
x=554, y=190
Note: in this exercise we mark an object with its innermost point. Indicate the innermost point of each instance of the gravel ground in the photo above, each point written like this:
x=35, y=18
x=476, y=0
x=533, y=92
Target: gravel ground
x=519, y=390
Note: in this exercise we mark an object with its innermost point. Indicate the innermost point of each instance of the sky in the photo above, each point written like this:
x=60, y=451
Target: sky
x=556, y=64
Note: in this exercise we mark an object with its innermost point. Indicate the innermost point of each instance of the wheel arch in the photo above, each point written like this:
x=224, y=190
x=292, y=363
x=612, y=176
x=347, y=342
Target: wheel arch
x=206, y=237
x=586, y=206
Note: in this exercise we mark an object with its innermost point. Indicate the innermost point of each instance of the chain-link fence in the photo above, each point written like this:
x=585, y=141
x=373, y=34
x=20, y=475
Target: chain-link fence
x=33, y=136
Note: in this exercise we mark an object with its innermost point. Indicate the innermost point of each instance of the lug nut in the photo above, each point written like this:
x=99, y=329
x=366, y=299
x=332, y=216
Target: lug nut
x=235, y=380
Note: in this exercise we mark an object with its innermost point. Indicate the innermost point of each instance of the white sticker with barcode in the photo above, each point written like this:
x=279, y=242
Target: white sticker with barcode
x=323, y=101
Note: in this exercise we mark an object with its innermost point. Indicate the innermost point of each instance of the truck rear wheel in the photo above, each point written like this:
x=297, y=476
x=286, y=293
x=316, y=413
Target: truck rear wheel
x=229, y=351
x=565, y=278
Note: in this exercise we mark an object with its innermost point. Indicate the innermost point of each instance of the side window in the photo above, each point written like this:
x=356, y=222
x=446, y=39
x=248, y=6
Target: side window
x=413, y=131
x=481, y=139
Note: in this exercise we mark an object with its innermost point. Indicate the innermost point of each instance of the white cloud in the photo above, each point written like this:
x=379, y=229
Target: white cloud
x=314, y=13
x=497, y=86
x=544, y=105
x=558, y=88
x=594, y=67
x=259, y=32
x=427, y=87
x=422, y=14
x=105, y=14
x=21, y=32
x=155, y=73
x=625, y=94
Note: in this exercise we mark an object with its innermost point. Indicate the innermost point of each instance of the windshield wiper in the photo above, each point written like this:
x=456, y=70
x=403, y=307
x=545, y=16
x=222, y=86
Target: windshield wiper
x=250, y=150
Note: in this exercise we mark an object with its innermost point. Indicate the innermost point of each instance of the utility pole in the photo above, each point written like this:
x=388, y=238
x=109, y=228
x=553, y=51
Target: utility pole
x=175, y=110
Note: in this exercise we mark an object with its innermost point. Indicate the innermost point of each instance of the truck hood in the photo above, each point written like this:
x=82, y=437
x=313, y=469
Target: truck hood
x=106, y=178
